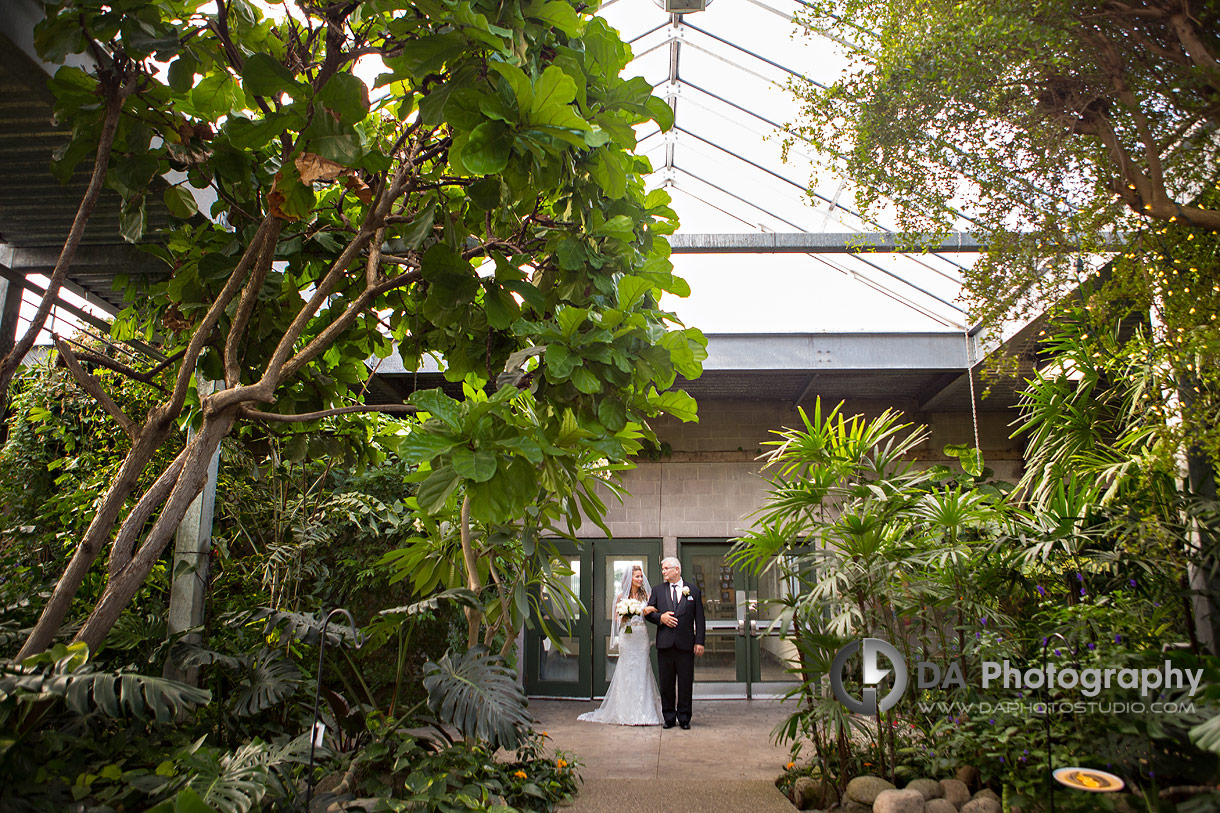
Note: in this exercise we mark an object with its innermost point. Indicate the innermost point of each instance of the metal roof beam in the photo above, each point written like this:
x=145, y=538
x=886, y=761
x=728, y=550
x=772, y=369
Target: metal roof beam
x=863, y=280
x=815, y=243
x=759, y=57
x=817, y=352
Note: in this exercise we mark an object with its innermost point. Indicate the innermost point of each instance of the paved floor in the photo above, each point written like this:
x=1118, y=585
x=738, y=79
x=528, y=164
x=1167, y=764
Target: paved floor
x=726, y=762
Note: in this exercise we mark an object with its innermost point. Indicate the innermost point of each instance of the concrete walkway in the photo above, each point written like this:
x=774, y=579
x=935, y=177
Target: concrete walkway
x=726, y=762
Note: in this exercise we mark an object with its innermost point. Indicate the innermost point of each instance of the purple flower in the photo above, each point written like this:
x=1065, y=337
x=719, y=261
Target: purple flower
x=1118, y=638
x=976, y=636
x=1024, y=750
x=1082, y=591
x=1131, y=582
x=1044, y=640
x=1092, y=645
x=1041, y=591
x=1057, y=652
x=984, y=620
x=1001, y=760
x=1079, y=576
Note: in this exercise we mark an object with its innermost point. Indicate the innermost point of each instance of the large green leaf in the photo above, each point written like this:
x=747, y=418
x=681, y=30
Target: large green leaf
x=479, y=695
x=215, y=95
x=421, y=445
x=270, y=679
x=114, y=694
x=263, y=75
x=489, y=147
x=478, y=465
x=676, y=402
x=436, y=489
x=554, y=92
x=439, y=405
x=347, y=96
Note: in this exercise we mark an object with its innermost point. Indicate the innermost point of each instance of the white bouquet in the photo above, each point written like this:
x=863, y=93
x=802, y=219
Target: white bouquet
x=627, y=609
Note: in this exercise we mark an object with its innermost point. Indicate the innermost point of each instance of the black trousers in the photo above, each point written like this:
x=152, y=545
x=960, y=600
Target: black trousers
x=676, y=666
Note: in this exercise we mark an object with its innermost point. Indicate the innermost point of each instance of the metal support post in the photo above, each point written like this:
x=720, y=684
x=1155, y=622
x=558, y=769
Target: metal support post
x=192, y=549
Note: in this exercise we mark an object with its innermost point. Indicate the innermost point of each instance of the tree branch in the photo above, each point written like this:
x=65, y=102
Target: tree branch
x=99, y=360
x=92, y=386
x=276, y=417
x=268, y=230
x=125, y=541
x=245, y=307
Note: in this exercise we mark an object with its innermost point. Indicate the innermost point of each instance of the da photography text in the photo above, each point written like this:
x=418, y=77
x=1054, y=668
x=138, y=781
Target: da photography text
x=995, y=675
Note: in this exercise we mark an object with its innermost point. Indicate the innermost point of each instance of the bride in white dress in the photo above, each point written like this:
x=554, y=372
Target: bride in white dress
x=632, y=698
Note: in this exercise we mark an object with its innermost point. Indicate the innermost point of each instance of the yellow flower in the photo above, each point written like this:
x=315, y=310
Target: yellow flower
x=790, y=766
x=560, y=764
x=520, y=774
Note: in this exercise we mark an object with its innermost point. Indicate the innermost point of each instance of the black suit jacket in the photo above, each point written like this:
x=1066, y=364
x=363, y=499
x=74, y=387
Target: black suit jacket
x=691, y=629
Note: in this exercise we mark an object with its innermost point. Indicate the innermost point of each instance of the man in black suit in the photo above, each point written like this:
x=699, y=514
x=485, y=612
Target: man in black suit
x=680, y=636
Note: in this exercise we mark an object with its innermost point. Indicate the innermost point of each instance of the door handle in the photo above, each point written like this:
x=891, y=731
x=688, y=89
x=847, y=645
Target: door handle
x=741, y=627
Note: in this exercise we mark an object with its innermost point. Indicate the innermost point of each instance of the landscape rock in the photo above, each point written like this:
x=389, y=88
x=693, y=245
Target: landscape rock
x=969, y=776
x=982, y=805
x=929, y=788
x=939, y=806
x=864, y=789
x=899, y=801
x=987, y=793
x=955, y=791
x=813, y=794
x=856, y=807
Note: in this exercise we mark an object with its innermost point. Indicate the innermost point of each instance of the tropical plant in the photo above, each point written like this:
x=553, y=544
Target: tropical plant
x=1076, y=124
x=480, y=696
x=348, y=223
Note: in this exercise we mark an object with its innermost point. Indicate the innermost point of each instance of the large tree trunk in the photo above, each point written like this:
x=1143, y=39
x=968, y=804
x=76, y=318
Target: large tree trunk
x=126, y=582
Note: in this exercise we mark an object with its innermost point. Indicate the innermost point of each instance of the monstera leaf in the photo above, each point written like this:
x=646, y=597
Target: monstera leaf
x=68, y=674
x=307, y=627
x=479, y=695
x=271, y=678
x=243, y=780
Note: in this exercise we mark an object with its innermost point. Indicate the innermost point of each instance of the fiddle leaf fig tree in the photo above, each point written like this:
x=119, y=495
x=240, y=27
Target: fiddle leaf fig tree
x=444, y=178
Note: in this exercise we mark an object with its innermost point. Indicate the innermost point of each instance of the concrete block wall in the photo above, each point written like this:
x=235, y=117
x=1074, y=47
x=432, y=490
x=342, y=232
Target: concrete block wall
x=712, y=481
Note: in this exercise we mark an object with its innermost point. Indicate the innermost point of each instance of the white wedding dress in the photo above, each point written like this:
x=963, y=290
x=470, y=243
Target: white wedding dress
x=632, y=698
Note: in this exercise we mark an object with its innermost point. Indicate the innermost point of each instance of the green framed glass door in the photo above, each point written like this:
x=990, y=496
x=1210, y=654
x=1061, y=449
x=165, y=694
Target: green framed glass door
x=568, y=671
x=745, y=657
x=584, y=665
x=612, y=559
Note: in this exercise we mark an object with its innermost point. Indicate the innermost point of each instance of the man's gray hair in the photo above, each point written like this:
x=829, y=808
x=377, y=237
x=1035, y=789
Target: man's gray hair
x=671, y=562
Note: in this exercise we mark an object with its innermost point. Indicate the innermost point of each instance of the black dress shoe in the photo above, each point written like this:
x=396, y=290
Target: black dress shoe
x=685, y=726
x=670, y=724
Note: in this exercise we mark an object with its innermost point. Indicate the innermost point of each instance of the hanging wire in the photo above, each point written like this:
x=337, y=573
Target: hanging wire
x=974, y=412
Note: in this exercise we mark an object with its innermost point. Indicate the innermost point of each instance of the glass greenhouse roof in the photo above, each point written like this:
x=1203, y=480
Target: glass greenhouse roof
x=726, y=73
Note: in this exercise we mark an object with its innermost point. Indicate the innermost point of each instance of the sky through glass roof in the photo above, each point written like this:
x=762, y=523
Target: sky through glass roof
x=726, y=72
